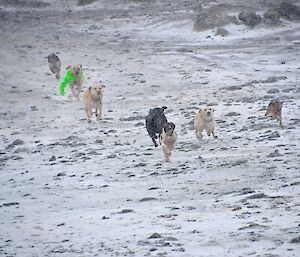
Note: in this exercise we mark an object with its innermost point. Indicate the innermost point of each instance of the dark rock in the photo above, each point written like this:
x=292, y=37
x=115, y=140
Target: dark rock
x=140, y=117
x=16, y=142
x=9, y=204
x=146, y=199
x=249, y=18
x=271, y=17
x=232, y=88
x=274, y=154
x=257, y=196
x=273, y=91
x=111, y=156
x=211, y=19
x=126, y=211
x=139, y=124
x=85, y=2
x=52, y=159
x=61, y=174
x=295, y=240
x=222, y=32
x=141, y=164
x=24, y=3
x=289, y=11
x=275, y=134
x=154, y=235
x=232, y=114
x=93, y=27
x=273, y=79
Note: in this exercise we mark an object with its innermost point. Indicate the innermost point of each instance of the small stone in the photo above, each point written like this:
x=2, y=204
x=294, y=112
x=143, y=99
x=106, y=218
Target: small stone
x=111, y=156
x=222, y=32
x=93, y=27
x=232, y=114
x=295, y=240
x=249, y=18
x=16, y=142
x=146, y=199
x=154, y=235
x=52, y=159
x=10, y=204
x=126, y=211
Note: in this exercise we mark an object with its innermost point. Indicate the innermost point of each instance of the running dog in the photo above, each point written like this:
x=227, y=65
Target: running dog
x=167, y=139
x=93, y=99
x=75, y=85
x=54, y=64
x=275, y=110
x=155, y=121
x=204, y=120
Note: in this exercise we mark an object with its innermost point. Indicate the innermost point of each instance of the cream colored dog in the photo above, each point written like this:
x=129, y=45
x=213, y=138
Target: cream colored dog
x=75, y=86
x=93, y=99
x=205, y=120
x=168, y=138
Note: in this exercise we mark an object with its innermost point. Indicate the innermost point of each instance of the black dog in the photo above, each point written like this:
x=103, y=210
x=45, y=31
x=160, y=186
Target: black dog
x=155, y=121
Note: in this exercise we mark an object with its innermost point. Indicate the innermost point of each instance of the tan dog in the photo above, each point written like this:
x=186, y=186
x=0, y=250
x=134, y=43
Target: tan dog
x=204, y=120
x=168, y=138
x=75, y=86
x=54, y=64
x=275, y=110
x=93, y=99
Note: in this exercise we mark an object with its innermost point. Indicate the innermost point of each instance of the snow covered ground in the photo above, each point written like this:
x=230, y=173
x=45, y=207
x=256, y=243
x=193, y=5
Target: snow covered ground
x=69, y=188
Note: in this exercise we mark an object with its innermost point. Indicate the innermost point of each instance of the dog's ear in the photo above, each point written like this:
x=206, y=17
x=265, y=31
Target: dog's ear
x=199, y=110
x=68, y=67
x=164, y=108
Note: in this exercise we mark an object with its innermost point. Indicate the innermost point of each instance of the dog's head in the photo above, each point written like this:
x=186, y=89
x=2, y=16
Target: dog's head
x=75, y=69
x=52, y=58
x=169, y=128
x=207, y=112
x=97, y=89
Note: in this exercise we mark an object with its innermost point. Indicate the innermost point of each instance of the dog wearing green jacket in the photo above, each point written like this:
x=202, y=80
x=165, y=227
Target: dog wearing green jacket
x=74, y=77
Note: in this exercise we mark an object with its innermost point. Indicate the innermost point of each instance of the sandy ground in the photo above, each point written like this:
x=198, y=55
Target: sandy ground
x=69, y=188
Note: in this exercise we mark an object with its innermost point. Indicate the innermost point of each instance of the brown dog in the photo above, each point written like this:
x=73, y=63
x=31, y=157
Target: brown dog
x=275, y=110
x=93, y=99
x=168, y=138
x=205, y=120
x=75, y=86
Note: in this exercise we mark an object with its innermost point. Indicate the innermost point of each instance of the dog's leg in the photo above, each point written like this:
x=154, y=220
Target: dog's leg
x=88, y=115
x=78, y=88
x=57, y=75
x=167, y=152
x=154, y=142
x=72, y=87
x=199, y=134
x=214, y=135
x=280, y=119
x=99, y=112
